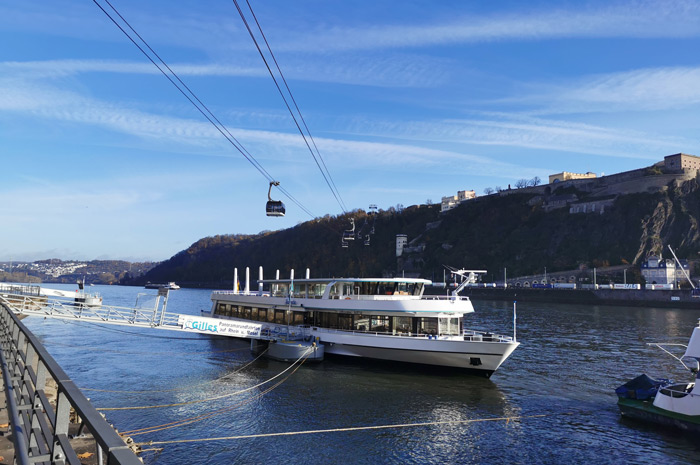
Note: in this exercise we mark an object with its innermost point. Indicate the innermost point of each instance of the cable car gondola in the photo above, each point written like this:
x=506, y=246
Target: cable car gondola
x=274, y=207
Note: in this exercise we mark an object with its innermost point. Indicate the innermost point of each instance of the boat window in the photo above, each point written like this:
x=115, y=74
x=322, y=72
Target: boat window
x=347, y=289
x=331, y=320
x=386, y=288
x=298, y=318
x=345, y=321
x=361, y=322
x=449, y=326
x=299, y=290
x=254, y=314
x=279, y=317
x=271, y=316
x=418, y=289
x=280, y=290
x=262, y=314
x=220, y=309
x=402, y=324
x=317, y=290
x=246, y=313
x=379, y=324
x=427, y=326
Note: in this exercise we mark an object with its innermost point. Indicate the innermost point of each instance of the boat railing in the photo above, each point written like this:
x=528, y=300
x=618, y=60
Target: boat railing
x=679, y=390
x=475, y=336
x=444, y=297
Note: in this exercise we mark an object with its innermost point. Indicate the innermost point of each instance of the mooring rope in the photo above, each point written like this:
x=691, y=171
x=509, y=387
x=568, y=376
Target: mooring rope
x=227, y=375
x=341, y=430
x=178, y=404
x=195, y=419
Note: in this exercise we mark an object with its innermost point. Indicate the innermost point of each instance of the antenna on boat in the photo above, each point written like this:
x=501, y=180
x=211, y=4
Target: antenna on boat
x=515, y=318
x=274, y=207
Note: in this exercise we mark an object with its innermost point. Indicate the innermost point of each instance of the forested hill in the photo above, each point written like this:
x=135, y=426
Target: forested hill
x=491, y=232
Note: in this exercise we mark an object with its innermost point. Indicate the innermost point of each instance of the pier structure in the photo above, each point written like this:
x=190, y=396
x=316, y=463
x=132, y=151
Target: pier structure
x=49, y=418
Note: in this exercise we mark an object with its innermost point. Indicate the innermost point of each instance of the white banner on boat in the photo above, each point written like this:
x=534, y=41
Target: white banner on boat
x=222, y=327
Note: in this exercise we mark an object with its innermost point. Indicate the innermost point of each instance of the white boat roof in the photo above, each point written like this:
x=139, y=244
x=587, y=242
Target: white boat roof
x=693, y=349
x=348, y=280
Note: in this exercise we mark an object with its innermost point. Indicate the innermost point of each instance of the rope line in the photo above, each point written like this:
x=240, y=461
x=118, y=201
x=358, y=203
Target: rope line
x=195, y=419
x=341, y=430
x=199, y=401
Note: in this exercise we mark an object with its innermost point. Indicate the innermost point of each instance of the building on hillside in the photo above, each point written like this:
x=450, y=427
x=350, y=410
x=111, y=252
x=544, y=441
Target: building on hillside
x=681, y=162
x=451, y=201
x=566, y=176
x=401, y=241
x=592, y=206
x=658, y=270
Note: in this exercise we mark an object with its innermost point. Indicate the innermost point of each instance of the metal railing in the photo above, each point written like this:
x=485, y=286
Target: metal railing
x=40, y=427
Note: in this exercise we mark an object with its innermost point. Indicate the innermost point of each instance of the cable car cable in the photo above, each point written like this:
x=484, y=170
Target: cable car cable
x=313, y=141
x=220, y=126
x=279, y=89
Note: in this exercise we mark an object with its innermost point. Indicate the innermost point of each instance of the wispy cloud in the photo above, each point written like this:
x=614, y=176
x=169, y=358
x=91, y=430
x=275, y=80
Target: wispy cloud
x=394, y=71
x=641, y=19
x=636, y=90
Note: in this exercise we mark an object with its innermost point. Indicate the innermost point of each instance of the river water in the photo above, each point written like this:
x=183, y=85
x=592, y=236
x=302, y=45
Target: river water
x=560, y=383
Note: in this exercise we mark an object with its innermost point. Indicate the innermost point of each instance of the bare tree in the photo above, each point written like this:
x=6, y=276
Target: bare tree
x=521, y=183
x=429, y=202
x=534, y=181
x=488, y=191
x=498, y=189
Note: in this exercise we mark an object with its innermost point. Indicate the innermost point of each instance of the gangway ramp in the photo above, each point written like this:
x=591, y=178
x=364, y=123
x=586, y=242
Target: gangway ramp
x=32, y=301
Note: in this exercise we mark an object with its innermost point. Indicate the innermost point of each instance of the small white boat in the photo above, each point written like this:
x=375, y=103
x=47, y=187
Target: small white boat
x=663, y=401
x=171, y=285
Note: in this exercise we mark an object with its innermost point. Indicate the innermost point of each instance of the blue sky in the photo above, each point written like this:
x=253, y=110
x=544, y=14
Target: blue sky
x=407, y=102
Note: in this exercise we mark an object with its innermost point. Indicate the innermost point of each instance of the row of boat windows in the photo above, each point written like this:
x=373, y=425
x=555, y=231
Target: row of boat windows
x=346, y=321
x=260, y=314
x=316, y=290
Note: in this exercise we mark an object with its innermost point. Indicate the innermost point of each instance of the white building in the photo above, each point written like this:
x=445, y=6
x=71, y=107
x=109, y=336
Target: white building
x=451, y=201
x=657, y=270
x=401, y=241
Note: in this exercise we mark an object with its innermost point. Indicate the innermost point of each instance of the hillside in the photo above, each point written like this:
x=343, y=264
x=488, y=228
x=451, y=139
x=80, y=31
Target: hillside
x=489, y=233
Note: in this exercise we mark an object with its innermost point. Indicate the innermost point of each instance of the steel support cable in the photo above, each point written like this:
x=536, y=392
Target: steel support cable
x=279, y=89
x=227, y=375
x=199, y=401
x=268, y=175
x=195, y=419
x=349, y=429
x=313, y=141
x=220, y=126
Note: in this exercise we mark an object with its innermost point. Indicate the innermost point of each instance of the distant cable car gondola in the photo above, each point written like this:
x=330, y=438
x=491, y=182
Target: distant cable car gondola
x=274, y=207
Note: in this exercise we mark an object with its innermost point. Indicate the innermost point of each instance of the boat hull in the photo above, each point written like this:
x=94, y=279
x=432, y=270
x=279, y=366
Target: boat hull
x=482, y=357
x=291, y=351
x=646, y=411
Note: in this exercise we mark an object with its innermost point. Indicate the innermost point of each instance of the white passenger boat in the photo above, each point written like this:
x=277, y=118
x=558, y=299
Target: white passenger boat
x=376, y=318
x=663, y=401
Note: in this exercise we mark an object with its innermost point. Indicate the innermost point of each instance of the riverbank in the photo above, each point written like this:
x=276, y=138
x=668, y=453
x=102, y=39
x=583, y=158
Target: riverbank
x=626, y=297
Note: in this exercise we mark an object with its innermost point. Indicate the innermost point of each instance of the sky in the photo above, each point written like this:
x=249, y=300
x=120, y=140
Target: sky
x=103, y=158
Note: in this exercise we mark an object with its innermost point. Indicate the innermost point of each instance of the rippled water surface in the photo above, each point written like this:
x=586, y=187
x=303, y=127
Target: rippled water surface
x=560, y=381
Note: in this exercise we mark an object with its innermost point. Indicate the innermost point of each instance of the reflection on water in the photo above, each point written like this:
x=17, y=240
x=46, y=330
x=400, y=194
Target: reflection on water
x=570, y=360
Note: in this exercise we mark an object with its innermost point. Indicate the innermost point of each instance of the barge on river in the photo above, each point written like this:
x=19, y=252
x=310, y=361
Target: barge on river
x=376, y=318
